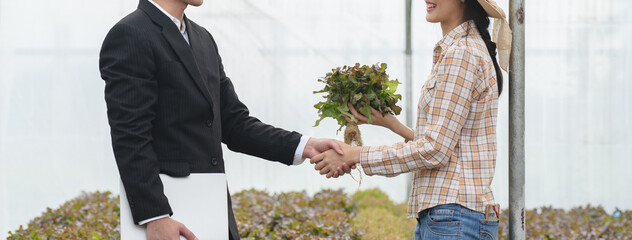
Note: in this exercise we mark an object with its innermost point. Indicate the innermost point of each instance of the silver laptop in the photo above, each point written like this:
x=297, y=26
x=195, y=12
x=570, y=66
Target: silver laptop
x=198, y=201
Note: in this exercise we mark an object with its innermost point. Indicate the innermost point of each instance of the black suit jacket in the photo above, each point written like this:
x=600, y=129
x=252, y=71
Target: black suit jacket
x=170, y=106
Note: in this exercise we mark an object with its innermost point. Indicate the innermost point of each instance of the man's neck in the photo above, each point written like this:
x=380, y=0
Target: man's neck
x=174, y=7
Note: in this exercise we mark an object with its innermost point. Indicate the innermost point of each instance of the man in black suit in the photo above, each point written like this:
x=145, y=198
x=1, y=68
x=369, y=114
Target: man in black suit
x=170, y=106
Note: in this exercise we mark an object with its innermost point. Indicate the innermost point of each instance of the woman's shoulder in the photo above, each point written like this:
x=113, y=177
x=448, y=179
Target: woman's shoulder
x=466, y=51
x=470, y=53
x=471, y=49
x=474, y=45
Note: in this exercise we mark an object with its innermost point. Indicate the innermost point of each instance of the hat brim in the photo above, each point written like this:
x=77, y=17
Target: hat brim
x=492, y=9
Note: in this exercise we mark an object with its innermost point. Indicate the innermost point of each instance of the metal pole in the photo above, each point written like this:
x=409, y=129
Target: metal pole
x=516, y=122
x=409, y=66
x=409, y=78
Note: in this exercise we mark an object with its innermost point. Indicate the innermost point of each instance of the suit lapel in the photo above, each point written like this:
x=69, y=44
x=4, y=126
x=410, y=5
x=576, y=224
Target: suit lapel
x=185, y=54
x=179, y=45
x=196, y=41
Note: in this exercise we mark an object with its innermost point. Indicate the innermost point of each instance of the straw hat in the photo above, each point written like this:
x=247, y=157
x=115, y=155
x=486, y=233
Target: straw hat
x=502, y=32
x=492, y=9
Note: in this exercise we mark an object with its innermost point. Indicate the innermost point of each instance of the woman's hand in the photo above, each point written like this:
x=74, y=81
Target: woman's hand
x=387, y=120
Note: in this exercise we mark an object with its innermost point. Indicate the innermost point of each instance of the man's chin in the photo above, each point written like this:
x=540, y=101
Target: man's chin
x=195, y=3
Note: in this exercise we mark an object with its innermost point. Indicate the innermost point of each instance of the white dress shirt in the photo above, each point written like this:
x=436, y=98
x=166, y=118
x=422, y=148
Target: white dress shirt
x=179, y=24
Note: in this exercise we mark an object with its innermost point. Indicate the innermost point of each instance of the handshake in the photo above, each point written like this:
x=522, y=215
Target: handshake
x=332, y=158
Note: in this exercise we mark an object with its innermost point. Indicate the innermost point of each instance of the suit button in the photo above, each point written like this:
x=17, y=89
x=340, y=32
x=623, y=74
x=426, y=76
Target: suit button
x=131, y=204
x=209, y=123
x=214, y=161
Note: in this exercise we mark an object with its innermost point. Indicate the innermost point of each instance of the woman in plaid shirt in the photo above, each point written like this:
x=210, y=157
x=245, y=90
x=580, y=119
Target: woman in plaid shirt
x=452, y=150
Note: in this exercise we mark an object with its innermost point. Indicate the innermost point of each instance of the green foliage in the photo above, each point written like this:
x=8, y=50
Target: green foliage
x=89, y=216
x=379, y=218
x=294, y=215
x=372, y=192
x=371, y=198
x=578, y=223
x=329, y=214
x=357, y=85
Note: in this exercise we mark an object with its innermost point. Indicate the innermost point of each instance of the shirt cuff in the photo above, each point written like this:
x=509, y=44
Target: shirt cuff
x=153, y=219
x=365, y=158
x=298, y=155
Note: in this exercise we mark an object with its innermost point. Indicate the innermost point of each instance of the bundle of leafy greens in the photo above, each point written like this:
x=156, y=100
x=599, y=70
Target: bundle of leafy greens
x=362, y=86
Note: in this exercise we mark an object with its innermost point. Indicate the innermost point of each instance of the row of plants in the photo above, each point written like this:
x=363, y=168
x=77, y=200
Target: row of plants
x=88, y=216
x=587, y=222
x=328, y=214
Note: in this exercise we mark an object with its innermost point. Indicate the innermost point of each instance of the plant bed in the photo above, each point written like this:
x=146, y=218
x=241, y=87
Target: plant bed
x=329, y=214
x=89, y=216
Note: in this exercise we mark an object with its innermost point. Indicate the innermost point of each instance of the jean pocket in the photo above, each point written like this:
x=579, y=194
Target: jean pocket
x=444, y=222
x=489, y=229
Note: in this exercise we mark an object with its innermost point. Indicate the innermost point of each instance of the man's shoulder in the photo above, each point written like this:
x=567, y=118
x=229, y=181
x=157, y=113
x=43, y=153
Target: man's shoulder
x=137, y=17
x=197, y=27
x=135, y=23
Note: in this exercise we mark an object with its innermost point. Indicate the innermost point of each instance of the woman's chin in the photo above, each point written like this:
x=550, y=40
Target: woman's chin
x=431, y=19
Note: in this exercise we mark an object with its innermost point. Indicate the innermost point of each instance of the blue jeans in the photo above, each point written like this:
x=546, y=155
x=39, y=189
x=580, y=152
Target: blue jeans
x=453, y=221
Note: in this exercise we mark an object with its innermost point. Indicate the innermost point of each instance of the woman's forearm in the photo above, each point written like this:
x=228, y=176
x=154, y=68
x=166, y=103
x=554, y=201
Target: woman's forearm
x=404, y=131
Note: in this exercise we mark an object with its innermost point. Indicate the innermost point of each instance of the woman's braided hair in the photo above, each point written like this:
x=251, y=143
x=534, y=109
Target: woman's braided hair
x=474, y=11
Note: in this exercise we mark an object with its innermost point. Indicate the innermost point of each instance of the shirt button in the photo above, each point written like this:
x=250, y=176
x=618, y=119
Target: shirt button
x=214, y=161
x=209, y=123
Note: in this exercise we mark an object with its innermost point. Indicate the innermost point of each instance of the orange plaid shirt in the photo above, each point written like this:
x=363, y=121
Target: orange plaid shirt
x=453, y=154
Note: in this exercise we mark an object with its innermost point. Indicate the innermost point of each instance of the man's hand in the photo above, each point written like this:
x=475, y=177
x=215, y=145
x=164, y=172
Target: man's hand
x=317, y=146
x=168, y=229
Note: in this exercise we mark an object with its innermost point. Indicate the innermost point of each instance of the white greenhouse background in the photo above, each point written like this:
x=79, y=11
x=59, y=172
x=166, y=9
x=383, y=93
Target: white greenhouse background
x=54, y=136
